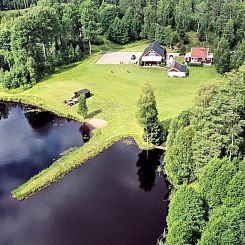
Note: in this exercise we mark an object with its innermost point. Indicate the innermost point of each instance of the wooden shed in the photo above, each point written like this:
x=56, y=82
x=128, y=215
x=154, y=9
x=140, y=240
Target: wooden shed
x=85, y=91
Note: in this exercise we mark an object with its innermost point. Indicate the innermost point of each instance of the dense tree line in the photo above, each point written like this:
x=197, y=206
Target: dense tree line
x=56, y=32
x=38, y=41
x=205, y=163
x=16, y=4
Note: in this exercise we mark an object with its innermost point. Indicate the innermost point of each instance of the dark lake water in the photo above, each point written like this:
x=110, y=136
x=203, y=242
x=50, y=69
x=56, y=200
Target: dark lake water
x=116, y=198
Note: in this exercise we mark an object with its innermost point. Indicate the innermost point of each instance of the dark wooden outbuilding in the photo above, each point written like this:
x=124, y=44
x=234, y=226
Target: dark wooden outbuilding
x=85, y=91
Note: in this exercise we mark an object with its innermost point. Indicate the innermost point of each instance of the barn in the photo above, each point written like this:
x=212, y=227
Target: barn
x=153, y=55
x=199, y=56
x=177, y=70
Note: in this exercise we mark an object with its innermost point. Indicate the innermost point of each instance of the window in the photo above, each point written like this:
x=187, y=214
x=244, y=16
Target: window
x=152, y=52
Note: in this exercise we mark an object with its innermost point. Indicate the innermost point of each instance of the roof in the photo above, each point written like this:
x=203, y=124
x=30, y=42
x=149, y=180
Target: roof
x=156, y=47
x=179, y=67
x=199, y=52
x=83, y=91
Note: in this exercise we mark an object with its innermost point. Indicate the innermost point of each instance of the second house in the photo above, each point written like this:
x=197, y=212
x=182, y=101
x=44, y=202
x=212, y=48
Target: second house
x=153, y=55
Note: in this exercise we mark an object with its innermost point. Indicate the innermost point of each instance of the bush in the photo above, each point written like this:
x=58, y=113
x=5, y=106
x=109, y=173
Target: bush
x=98, y=40
x=196, y=64
x=163, y=63
x=82, y=106
x=182, y=50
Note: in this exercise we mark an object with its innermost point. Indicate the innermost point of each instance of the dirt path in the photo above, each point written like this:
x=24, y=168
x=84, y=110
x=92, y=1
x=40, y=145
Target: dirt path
x=96, y=123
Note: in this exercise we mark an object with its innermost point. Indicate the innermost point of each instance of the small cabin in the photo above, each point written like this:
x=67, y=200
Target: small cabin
x=85, y=92
x=153, y=55
x=177, y=70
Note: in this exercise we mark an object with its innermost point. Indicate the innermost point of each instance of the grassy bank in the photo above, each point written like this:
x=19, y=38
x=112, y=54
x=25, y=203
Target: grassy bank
x=115, y=91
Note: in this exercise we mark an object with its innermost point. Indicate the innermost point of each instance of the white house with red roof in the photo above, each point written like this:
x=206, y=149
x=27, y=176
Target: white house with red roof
x=153, y=55
x=199, y=56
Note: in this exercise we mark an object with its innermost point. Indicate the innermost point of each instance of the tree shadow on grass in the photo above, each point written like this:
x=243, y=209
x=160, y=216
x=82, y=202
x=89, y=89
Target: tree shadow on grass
x=58, y=70
x=93, y=113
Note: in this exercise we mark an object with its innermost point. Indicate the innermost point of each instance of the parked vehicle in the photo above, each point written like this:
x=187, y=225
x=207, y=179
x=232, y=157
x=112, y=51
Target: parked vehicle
x=133, y=57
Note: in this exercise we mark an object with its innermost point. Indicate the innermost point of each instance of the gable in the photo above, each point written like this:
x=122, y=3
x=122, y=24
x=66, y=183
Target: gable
x=152, y=53
x=173, y=70
x=159, y=51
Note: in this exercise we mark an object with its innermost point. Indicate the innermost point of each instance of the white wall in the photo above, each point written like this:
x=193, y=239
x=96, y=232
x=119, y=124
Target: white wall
x=152, y=58
x=176, y=74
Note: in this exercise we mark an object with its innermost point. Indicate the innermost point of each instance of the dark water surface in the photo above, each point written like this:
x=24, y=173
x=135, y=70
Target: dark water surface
x=115, y=198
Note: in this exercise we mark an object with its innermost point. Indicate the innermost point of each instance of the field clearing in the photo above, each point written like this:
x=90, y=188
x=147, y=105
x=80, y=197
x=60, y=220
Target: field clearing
x=115, y=92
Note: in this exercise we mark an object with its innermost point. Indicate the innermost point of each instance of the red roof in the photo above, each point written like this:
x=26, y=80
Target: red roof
x=199, y=52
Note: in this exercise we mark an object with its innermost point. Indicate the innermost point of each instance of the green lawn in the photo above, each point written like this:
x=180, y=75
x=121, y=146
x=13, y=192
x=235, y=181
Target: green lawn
x=115, y=91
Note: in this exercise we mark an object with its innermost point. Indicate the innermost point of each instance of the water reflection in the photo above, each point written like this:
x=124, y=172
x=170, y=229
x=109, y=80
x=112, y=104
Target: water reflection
x=30, y=140
x=4, y=111
x=85, y=130
x=38, y=119
x=98, y=203
x=147, y=163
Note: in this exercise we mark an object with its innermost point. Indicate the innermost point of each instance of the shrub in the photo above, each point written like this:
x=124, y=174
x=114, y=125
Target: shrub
x=98, y=40
x=82, y=106
x=196, y=64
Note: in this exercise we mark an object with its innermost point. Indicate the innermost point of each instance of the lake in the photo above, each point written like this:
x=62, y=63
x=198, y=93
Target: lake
x=116, y=198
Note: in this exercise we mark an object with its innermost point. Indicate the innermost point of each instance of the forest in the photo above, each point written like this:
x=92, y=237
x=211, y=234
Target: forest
x=38, y=36
x=205, y=164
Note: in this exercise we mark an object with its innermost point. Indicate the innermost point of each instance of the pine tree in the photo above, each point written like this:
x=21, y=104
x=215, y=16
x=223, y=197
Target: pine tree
x=222, y=56
x=147, y=115
x=179, y=164
x=229, y=32
x=88, y=21
x=238, y=58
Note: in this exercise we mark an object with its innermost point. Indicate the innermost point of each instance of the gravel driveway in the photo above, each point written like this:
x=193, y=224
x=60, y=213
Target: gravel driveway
x=118, y=58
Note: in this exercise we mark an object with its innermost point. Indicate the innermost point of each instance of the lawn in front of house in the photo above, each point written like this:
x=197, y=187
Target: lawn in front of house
x=115, y=90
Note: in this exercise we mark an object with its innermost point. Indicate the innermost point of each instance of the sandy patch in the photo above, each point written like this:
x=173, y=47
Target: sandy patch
x=96, y=123
x=118, y=58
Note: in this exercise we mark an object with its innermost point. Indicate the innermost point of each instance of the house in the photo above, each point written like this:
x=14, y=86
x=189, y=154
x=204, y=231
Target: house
x=199, y=56
x=177, y=70
x=153, y=55
x=85, y=91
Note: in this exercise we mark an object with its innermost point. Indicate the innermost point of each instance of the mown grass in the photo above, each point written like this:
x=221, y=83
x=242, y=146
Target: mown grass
x=115, y=91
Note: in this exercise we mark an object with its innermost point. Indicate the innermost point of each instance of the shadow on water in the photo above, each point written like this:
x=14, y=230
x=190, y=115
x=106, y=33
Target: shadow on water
x=147, y=163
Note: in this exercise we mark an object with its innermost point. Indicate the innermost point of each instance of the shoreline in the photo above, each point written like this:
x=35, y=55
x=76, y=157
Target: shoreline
x=67, y=163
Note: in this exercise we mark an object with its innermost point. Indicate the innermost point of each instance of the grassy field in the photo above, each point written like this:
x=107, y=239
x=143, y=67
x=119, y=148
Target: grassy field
x=115, y=91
